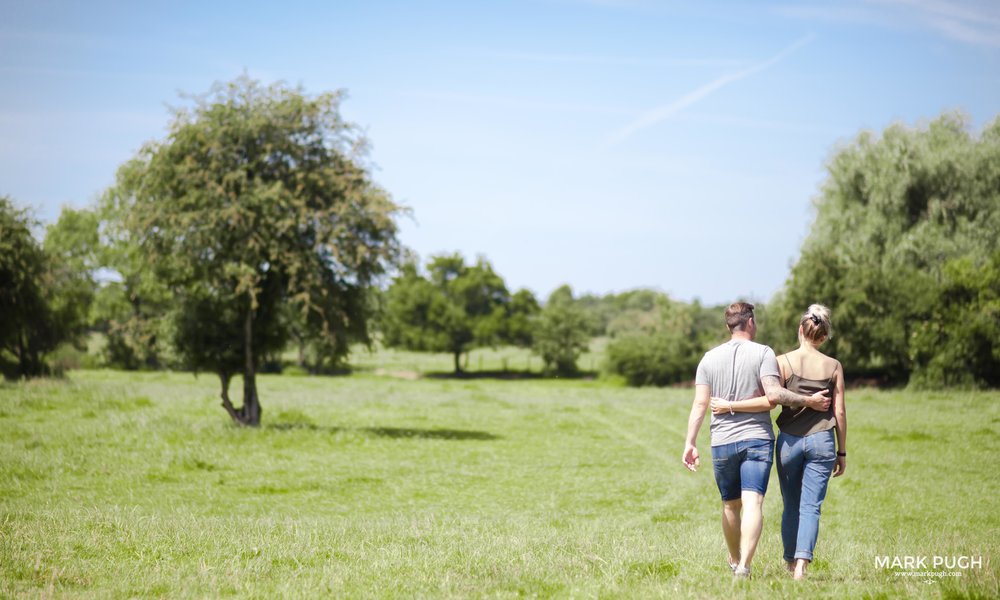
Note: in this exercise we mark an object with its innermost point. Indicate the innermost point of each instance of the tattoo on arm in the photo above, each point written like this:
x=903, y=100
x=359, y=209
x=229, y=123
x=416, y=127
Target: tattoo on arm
x=780, y=395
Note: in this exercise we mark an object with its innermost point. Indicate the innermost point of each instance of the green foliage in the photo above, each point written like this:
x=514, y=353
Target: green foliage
x=521, y=318
x=895, y=212
x=133, y=315
x=957, y=345
x=455, y=308
x=663, y=344
x=258, y=198
x=132, y=308
x=608, y=313
x=561, y=334
x=45, y=290
x=72, y=246
x=26, y=328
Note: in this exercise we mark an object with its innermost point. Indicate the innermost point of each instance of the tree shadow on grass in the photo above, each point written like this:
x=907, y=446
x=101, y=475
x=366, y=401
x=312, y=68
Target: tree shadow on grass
x=431, y=434
x=508, y=375
x=392, y=432
x=300, y=426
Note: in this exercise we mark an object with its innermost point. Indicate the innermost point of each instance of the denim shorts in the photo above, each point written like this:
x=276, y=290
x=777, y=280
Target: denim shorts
x=742, y=465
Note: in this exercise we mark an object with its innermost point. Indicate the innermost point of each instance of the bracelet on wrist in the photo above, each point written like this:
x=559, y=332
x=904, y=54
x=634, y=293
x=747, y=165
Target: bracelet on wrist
x=841, y=454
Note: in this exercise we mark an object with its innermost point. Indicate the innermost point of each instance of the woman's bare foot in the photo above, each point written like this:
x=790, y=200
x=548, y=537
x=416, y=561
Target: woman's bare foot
x=800, y=569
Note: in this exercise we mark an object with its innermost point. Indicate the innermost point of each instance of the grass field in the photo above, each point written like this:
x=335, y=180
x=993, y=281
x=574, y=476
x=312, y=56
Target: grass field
x=123, y=484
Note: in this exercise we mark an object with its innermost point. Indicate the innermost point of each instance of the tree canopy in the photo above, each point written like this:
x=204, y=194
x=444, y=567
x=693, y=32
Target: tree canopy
x=258, y=198
x=454, y=308
x=561, y=332
x=45, y=288
x=25, y=329
x=903, y=249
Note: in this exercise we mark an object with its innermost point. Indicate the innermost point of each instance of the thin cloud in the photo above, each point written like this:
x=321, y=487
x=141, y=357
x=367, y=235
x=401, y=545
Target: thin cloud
x=662, y=113
x=516, y=103
x=612, y=4
x=984, y=14
x=617, y=60
x=970, y=35
x=55, y=38
x=968, y=21
x=832, y=13
x=766, y=124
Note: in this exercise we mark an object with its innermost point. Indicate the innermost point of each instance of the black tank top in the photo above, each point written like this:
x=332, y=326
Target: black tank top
x=805, y=421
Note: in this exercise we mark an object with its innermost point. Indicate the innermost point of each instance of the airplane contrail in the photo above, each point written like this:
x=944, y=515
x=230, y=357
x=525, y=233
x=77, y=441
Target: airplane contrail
x=666, y=111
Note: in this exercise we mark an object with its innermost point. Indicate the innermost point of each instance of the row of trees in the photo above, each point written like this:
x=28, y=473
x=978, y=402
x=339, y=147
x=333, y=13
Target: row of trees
x=456, y=307
x=904, y=248
x=255, y=226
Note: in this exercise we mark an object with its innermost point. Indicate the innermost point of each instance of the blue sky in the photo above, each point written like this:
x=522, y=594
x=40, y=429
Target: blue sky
x=606, y=144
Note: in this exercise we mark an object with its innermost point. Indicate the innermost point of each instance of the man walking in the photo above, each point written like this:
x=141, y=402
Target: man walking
x=742, y=442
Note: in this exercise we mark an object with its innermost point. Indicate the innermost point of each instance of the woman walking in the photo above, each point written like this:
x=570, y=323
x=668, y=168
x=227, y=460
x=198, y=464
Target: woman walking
x=807, y=455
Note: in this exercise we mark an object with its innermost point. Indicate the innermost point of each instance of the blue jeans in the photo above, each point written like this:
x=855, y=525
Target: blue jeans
x=742, y=465
x=804, y=468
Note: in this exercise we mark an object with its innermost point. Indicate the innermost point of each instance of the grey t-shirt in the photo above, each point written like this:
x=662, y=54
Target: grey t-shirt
x=750, y=362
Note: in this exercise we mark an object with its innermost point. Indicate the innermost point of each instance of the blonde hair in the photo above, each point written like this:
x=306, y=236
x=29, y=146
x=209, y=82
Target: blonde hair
x=815, y=323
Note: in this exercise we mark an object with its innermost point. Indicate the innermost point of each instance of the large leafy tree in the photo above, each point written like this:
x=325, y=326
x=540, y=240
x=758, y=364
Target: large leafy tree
x=454, y=309
x=905, y=221
x=257, y=199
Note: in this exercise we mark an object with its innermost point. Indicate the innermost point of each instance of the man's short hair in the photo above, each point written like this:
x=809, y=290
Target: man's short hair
x=738, y=315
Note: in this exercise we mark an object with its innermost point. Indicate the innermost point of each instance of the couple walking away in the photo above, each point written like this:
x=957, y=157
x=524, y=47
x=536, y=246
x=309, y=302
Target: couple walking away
x=741, y=381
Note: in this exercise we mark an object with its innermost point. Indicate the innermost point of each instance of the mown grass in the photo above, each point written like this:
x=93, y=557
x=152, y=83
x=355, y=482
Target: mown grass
x=120, y=485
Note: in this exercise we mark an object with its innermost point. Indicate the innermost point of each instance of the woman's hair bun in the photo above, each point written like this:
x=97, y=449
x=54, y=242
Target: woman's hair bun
x=816, y=324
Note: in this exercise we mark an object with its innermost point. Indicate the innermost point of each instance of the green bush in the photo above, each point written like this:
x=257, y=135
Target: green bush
x=652, y=359
x=662, y=344
x=294, y=371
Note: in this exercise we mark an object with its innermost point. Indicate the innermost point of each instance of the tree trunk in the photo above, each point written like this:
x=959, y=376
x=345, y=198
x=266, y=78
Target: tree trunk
x=226, y=404
x=29, y=358
x=21, y=357
x=458, y=361
x=251, y=405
